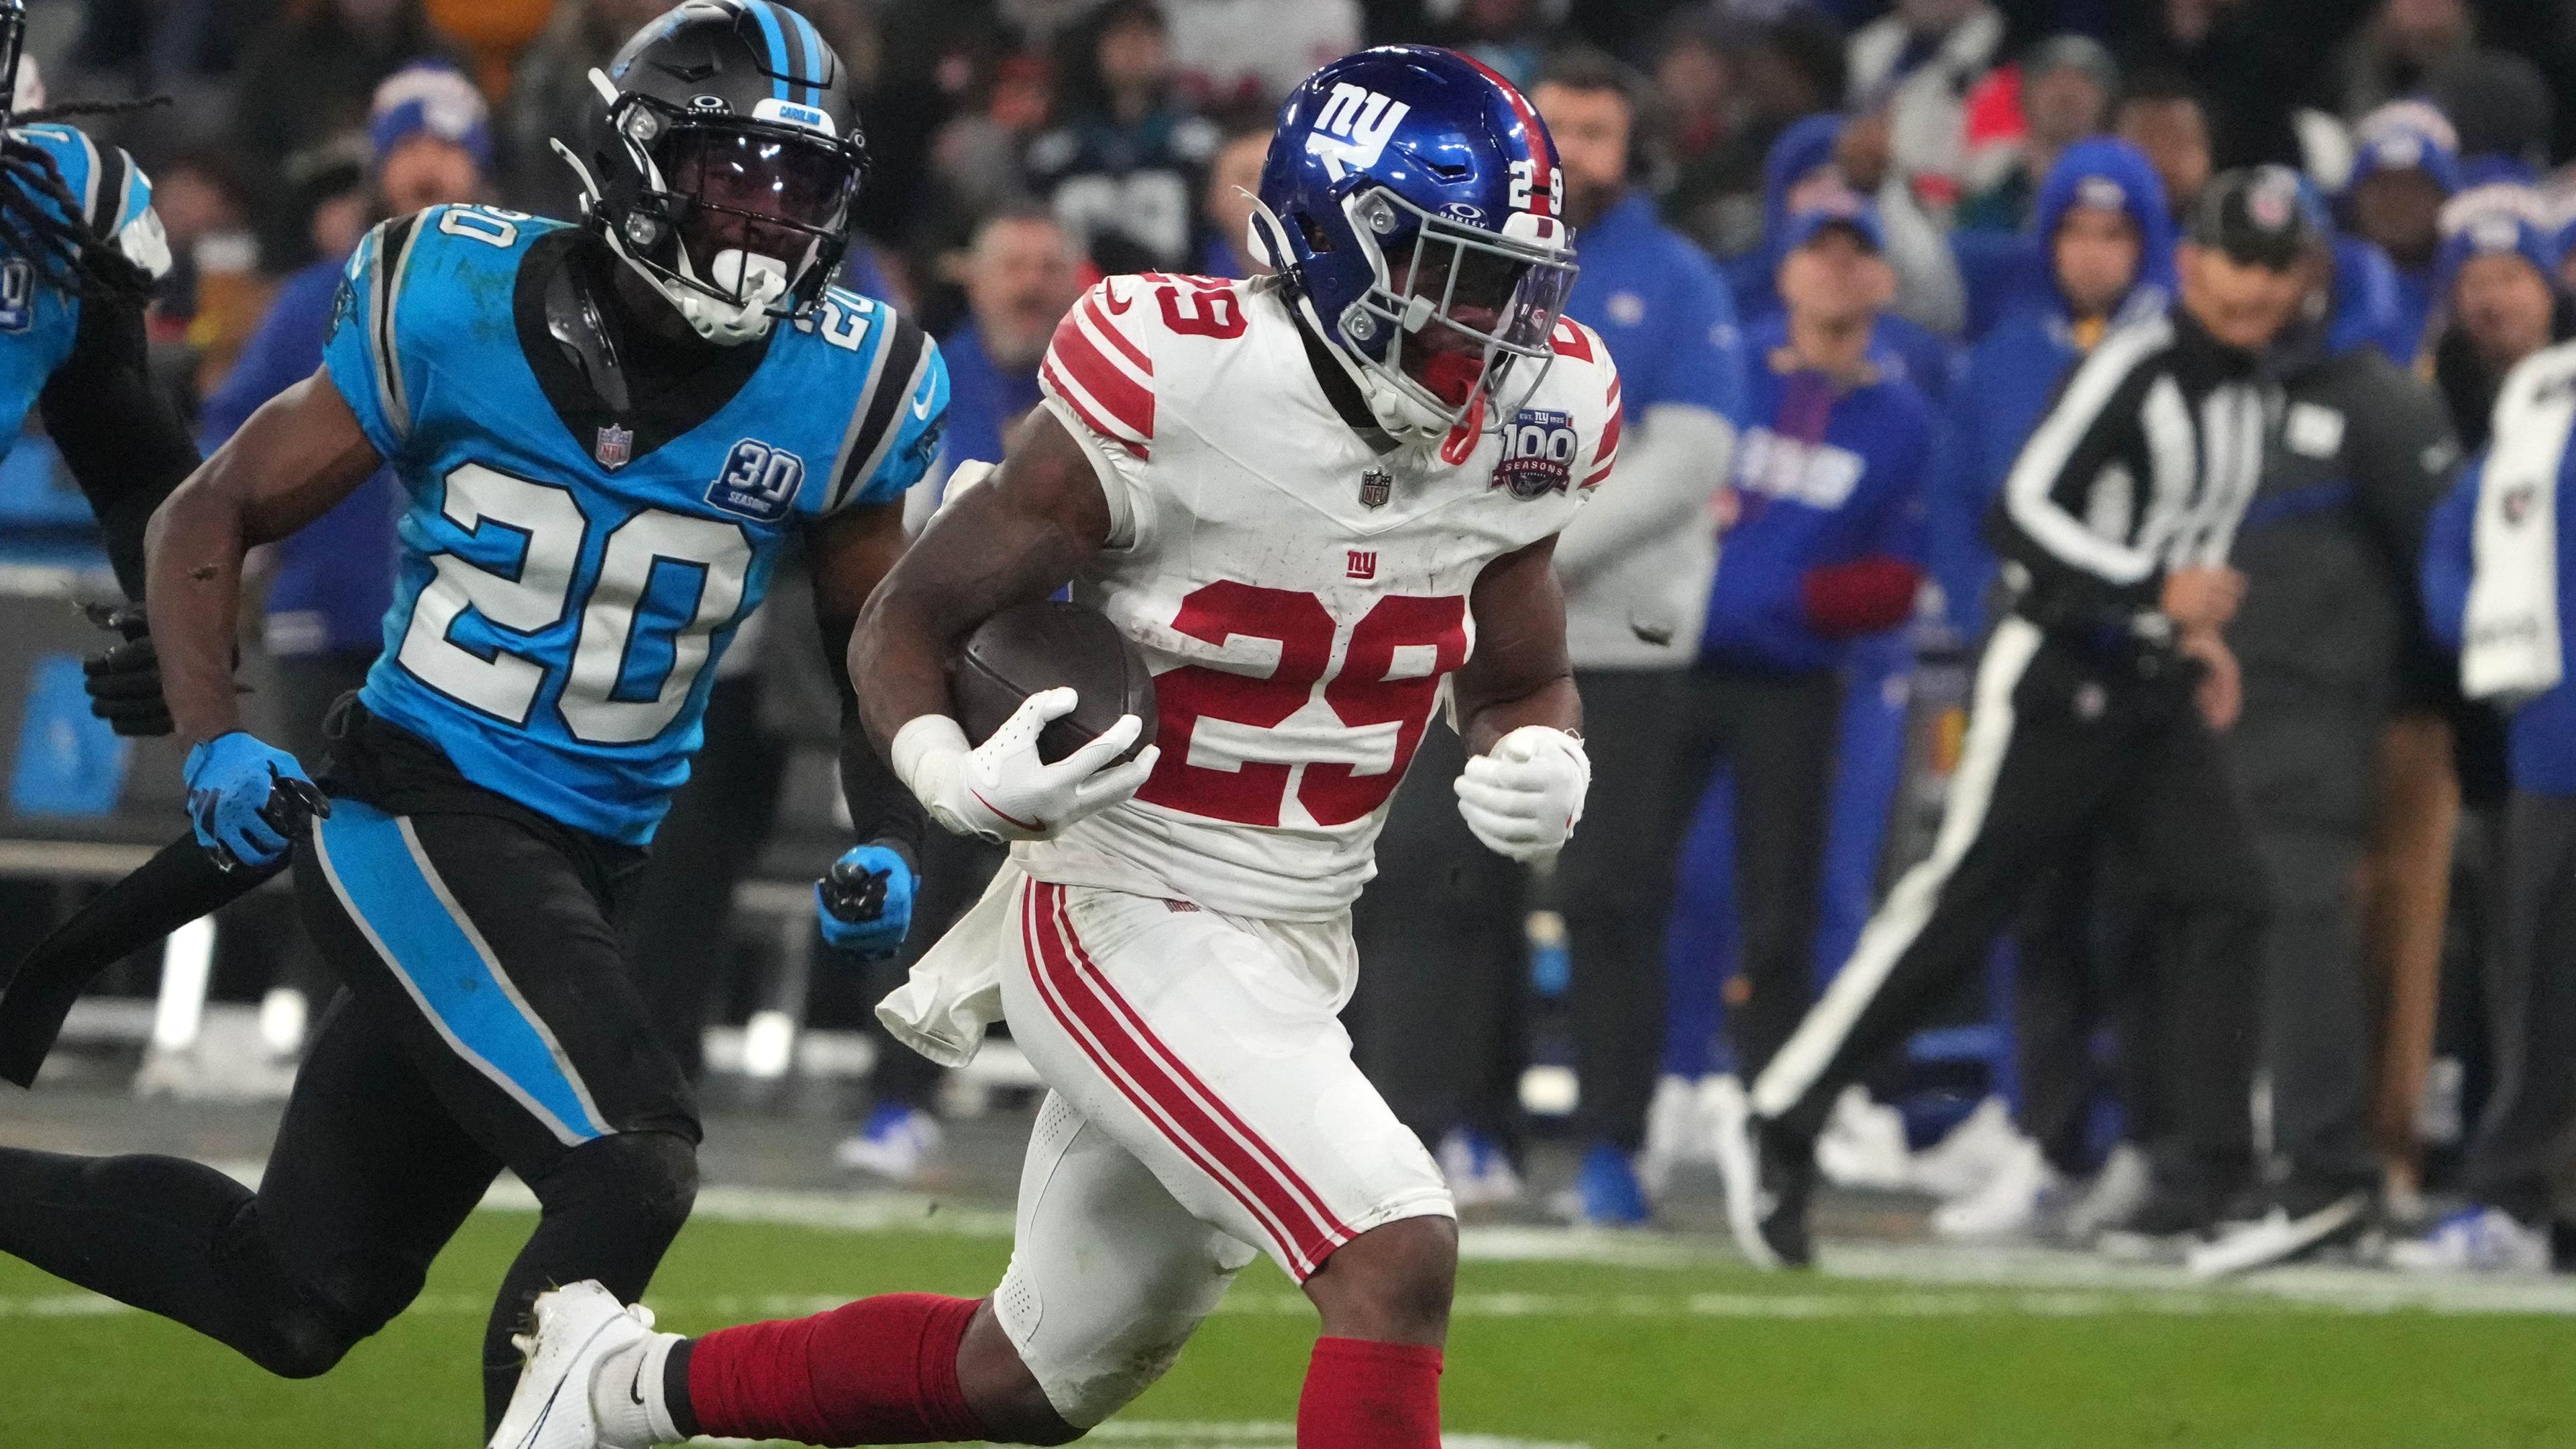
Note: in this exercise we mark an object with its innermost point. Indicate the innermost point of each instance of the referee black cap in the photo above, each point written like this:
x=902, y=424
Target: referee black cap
x=2254, y=215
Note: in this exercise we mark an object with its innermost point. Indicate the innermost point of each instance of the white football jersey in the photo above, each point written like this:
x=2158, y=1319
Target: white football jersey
x=1300, y=596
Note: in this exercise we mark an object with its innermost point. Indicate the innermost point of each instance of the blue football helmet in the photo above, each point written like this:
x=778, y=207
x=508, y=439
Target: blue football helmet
x=1413, y=204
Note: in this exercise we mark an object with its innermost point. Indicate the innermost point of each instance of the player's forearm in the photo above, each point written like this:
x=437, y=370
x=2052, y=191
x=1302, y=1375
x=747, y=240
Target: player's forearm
x=297, y=456
x=882, y=811
x=193, y=553
x=1554, y=704
x=1017, y=538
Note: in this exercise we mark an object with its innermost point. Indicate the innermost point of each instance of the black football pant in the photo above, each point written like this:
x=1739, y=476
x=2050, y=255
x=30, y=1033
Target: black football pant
x=2529, y=1127
x=2062, y=749
x=489, y=1021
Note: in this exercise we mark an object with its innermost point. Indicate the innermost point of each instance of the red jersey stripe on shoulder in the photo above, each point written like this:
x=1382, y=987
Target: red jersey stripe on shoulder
x=1055, y=386
x=1104, y=308
x=1607, y=453
x=1109, y=389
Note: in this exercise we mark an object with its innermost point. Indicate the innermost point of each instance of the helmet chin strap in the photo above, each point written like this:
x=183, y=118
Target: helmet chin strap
x=756, y=279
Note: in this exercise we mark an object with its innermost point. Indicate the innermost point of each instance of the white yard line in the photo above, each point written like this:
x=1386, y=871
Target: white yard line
x=1923, y=1279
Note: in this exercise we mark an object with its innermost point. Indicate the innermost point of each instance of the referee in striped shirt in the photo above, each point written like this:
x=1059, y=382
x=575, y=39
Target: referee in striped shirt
x=2096, y=712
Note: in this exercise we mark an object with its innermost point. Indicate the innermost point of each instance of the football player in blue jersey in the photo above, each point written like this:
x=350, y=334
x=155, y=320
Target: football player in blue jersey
x=80, y=249
x=607, y=432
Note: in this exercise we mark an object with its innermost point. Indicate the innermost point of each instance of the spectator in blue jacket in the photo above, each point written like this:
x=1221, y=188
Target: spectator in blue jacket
x=1821, y=544
x=1636, y=565
x=2499, y=580
x=2106, y=235
x=1022, y=276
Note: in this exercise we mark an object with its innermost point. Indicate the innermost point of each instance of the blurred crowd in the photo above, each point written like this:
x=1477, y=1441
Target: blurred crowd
x=1843, y=252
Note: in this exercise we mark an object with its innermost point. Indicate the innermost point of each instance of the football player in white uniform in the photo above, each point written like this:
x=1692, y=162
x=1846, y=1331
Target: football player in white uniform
x=1320, y=504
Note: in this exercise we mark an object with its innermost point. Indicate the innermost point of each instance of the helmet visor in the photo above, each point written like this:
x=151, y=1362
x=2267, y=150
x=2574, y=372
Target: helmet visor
x=757, y=191
x=1463, y=302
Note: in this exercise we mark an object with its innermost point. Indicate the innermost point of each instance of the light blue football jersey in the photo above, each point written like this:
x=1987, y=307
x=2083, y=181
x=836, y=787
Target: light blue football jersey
x=569, y=576
x=40, y=319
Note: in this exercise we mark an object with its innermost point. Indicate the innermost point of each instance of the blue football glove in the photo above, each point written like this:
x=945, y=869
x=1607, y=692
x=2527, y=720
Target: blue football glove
x=865, y=901
x=249, y=801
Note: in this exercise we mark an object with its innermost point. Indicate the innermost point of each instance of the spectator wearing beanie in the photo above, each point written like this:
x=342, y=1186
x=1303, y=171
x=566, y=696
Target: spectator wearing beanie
x=2406, y=165
x=2495, y=283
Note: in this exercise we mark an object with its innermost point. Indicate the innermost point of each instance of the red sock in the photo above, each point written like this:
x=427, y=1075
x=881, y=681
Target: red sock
x=1362, y=1394
x=879, y=1371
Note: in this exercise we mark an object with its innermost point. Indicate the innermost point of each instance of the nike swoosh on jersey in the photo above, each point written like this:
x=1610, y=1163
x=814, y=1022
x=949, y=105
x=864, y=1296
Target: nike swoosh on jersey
x=921, y=405
x=1109, y=296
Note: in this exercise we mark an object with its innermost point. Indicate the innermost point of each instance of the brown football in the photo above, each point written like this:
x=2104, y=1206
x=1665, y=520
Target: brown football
x=1031, y=648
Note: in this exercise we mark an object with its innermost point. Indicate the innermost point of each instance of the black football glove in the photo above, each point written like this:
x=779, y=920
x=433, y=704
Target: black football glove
x=124, y=680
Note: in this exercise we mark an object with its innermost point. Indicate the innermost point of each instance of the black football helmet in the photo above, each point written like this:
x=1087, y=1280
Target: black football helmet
x=723, y=162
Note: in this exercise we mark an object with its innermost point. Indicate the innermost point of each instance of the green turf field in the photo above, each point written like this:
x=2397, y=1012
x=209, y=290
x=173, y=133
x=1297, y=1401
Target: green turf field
x=1675, y=1350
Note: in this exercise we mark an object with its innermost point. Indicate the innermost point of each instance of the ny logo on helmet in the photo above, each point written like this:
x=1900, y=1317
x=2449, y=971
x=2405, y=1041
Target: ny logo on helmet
x=1353, y=128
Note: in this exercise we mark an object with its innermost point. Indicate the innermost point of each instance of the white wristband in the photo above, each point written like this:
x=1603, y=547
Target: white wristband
x=921, y=737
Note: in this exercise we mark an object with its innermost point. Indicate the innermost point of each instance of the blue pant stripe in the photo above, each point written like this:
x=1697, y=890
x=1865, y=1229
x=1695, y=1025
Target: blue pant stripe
x=387, y=885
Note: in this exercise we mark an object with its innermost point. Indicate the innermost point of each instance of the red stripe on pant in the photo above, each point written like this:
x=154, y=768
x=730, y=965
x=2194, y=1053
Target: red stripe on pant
x=1144, y=1034
x=1095, y=1029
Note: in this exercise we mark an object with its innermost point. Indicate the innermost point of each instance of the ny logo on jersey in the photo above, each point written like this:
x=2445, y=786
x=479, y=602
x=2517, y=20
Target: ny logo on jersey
x=1353, y=128
x=759, y=482
x=1362, y=564
x=17, y=295
x=1818, y=475
x=1538, y=454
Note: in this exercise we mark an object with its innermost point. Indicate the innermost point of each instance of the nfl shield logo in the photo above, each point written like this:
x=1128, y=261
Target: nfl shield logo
x=1376, y=486
x=614, y=446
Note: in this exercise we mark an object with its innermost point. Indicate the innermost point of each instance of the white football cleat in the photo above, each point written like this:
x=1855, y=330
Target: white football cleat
x=1863, y=1145
x=2005, y=1206
x=897, y=1142
x=1677, y=1132
x=577, y=1326
x=1479, y=1171
x=1973, y=1151
x=2475, y=1240
x=2118, y=1191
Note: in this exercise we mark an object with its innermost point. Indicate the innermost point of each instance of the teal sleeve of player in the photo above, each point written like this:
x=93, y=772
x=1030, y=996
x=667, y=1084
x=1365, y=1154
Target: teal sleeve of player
x=363, y=354
x=922, y=421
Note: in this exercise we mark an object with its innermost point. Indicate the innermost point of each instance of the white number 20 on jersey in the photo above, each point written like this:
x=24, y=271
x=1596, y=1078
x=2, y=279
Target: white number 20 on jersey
x=538, y=593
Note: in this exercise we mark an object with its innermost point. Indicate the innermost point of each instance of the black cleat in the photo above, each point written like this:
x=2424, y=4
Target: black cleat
x=1769, y=1184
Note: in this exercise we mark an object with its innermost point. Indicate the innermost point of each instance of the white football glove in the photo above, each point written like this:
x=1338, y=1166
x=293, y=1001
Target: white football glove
x=1523, y=798
x=1000, y=789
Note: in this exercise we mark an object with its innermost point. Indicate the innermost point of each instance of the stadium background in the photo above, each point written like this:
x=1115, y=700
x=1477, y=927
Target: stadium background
x=274, y=147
